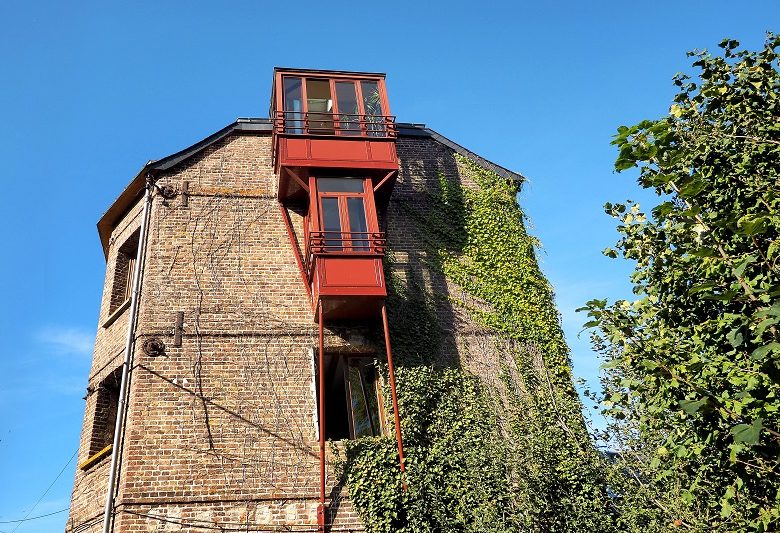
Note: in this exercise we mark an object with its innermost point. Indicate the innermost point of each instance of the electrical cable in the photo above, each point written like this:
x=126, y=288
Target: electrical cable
x=27, y=516
x=33, y=517
x=242, y=526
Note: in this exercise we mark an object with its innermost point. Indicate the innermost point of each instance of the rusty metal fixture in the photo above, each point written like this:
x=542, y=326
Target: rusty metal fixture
x=154, y=347
x=167, y=192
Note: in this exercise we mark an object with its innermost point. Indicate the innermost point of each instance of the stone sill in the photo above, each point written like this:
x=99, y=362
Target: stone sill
x=117, y=313
x=95, y=459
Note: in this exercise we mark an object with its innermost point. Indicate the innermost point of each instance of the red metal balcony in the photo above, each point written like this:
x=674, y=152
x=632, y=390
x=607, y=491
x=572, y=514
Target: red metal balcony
x=346, y=274
x=330, y=120
x=340, y=124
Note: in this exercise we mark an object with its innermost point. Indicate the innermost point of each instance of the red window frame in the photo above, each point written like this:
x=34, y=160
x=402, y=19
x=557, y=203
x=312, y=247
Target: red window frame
x=315, y=216
x=335, y=110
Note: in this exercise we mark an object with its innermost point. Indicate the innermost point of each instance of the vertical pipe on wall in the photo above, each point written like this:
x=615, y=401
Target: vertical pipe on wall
x=108, y=511
x=391, y=371
x=321, y=508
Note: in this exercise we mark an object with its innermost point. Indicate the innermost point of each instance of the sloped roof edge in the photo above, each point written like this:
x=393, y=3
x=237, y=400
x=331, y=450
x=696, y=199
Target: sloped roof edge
x=133, y=191
x=420, y=130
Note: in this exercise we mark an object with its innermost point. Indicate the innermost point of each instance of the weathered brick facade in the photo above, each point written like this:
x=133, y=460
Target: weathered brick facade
x=220, y=432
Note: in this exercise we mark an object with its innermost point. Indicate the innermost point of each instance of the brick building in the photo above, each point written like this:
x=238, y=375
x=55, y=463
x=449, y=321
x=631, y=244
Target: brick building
x=231, y=266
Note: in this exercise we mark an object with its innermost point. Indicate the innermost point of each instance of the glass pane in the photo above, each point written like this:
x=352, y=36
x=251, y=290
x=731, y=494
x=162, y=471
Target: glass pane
x=372, y=104
x=340, y=184
x=320, y=106
x=293, y=105
x=346, y=98
x=357, y=224
x=368, y=373
x=331, y=224
x=361, y=420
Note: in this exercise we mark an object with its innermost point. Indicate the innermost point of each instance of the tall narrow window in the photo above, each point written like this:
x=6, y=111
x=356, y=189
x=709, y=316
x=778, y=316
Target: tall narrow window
x=319, y=104
x=352, y=397
x=356, y=213
x=104, y=421
x=293, y=105
x=331, y=224
x=124, y=271
x=349, y=112
x=362, y=392
x=372, y=107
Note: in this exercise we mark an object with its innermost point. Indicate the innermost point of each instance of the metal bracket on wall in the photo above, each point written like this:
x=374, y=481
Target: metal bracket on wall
x=178, y=328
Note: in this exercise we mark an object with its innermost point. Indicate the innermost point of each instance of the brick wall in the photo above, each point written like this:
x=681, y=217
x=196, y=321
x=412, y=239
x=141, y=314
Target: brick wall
x=221, y=430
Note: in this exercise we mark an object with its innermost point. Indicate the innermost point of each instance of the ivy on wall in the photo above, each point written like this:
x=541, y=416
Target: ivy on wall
x=503, y=454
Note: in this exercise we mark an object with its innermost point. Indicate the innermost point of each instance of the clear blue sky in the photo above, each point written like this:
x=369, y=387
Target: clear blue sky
x=92, y=90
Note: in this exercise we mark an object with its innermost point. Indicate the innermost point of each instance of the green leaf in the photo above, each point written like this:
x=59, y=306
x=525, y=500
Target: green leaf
x=734, y=337
x=762, y=351
x=740, y=268
x=751, y=225
x=694, y=187
x=701, y=287
x=748, y=433
x=692, y=406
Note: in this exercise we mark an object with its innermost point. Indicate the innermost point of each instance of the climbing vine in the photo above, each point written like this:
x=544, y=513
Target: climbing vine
x=502, y=449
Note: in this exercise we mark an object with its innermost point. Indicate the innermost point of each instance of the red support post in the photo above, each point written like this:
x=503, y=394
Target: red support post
x=321, y=508
x=296, y=251
x=392, y=392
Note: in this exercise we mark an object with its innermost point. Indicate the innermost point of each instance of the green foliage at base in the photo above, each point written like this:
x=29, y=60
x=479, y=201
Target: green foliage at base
x=507, y=451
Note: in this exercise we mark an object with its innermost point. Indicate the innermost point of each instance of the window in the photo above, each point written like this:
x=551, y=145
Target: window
x=352, y=397
x=123, y=273
x=323, y=106
x=104, y=422
x=342, y=206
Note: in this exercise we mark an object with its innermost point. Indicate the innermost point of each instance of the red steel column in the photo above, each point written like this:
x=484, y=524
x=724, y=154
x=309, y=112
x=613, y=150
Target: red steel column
x=296, y=252
x=321, y=508
x=392, y=391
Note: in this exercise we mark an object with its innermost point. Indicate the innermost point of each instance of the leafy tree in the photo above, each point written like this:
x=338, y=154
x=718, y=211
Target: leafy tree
x=693, y=363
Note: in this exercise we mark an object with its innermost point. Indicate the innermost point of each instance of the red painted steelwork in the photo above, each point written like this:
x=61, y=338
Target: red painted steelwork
x=389, y=175
x=340, y=124
x=347, y=273
x=296, y=251
x=391, y=371
x=334, y=152
x=345, y=266
x=361, y=135
x=321, y=355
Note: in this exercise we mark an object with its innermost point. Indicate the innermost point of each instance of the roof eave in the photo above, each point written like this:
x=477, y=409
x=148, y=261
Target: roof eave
x=135, y=188
x=133, y=191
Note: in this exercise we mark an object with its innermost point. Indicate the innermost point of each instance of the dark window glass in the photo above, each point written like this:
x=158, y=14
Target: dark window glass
x=351, y=397
x=363, y=397
x=362, y=424
x=340, y=184
x=293, y=105
x=357, y=223
x=346, y=98
x=331, y=223
x=372, y=105
x=320, y=106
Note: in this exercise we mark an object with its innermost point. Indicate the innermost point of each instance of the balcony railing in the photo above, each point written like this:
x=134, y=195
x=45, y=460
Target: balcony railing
x=343, y=243
x=342, y=124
